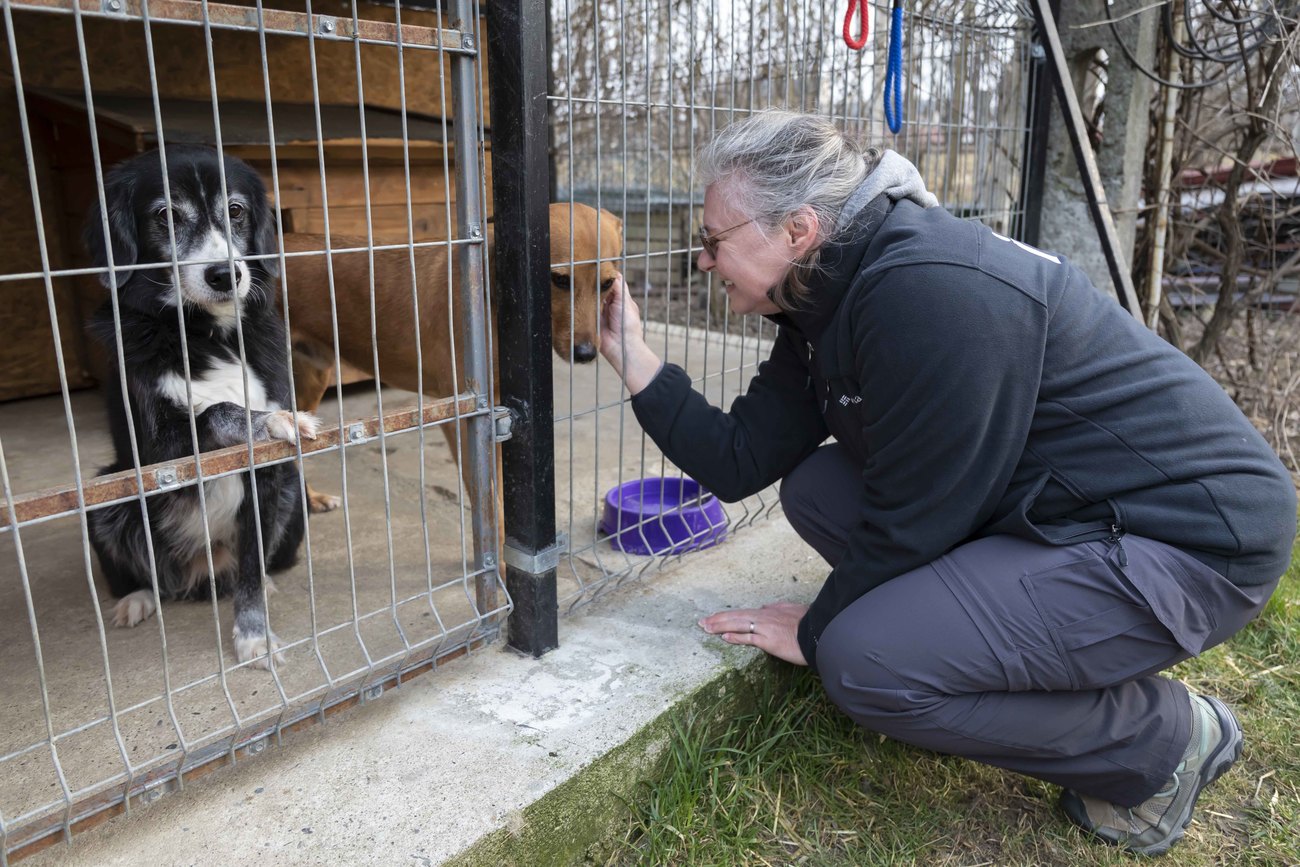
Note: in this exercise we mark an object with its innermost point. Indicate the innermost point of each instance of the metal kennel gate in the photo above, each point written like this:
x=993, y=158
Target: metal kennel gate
x=403, y=576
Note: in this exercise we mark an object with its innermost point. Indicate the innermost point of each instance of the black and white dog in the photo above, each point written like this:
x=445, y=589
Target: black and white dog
x=218, y=289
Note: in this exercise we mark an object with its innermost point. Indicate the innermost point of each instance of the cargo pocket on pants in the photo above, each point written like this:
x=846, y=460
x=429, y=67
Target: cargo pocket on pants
x=1103, y=628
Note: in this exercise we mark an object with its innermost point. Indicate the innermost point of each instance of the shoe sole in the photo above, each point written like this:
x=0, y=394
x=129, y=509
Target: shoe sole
x=1225, y=755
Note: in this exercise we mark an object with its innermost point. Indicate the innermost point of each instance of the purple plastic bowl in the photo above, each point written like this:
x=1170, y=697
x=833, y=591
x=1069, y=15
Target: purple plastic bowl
x=662, y=516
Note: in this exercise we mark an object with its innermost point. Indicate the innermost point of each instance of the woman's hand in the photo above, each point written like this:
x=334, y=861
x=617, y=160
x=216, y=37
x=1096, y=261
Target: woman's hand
x=774, y=628
x=620, y=339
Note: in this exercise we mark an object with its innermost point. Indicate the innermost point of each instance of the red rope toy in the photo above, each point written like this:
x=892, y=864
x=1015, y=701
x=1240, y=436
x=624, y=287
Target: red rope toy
x=860, y=6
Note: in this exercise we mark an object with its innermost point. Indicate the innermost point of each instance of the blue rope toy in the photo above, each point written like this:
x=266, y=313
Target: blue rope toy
x=894, y=72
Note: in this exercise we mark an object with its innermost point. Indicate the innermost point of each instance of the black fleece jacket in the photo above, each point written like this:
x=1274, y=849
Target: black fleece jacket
x=987, y=388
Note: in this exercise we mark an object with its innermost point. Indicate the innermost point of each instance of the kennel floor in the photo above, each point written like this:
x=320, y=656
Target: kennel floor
x=349, y=613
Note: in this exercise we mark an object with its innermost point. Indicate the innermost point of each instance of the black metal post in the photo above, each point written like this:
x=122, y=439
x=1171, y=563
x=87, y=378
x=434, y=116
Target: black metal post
x=1083, y=155
x=1033, y=172
x=520, y=183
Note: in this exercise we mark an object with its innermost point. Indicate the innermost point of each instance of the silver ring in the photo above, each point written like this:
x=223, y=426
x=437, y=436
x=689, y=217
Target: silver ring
x=751, y=627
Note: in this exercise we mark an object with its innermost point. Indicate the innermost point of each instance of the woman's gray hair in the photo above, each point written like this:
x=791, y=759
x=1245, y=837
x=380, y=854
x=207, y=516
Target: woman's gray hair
x=775, y=163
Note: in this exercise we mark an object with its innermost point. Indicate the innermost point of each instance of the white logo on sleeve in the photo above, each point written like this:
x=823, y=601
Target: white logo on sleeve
x=1028, y=249
x=845, y=400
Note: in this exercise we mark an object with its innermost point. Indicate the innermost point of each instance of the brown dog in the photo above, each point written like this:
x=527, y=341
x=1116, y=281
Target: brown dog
x=575, y=306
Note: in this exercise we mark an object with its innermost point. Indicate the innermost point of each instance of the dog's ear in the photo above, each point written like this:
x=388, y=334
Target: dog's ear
x=264, y=236
x=614, y=226
x=122, y=231
x=608, y=217
x=264, y=228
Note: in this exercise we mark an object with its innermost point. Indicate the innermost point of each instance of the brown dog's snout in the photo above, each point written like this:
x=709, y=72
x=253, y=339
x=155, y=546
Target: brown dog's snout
x=584, y=352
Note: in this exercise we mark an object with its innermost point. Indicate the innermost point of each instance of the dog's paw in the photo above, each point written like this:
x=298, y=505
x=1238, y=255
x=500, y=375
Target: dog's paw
x=255, y=647
x=308, y=425
x=318, y=502
x=287, y=425
x=134, y=608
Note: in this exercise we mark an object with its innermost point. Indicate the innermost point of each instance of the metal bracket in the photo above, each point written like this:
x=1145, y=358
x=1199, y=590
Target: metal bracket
x=166, y=477
x=327, y=25
x=155, y=792
x=113, y=7
x=357, y=434
x=542, y=561
x=503, y=423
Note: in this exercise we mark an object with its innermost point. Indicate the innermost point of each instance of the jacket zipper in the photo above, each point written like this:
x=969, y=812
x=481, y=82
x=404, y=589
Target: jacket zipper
x=1116, y=536
x=826, y=386
x=812, y=361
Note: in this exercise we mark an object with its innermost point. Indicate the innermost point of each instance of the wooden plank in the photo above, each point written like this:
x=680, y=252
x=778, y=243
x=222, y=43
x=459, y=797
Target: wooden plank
x=300, y=181
x=300, y=184
x=226, y=16
x=103, y=489
x=388, y=222
x=382, y=152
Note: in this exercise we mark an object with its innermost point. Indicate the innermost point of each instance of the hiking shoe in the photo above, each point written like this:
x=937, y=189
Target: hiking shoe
x=1157, y=823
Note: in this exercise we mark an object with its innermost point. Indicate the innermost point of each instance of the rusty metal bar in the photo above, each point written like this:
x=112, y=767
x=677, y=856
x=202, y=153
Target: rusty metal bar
x=225, y=16
x=173, y=474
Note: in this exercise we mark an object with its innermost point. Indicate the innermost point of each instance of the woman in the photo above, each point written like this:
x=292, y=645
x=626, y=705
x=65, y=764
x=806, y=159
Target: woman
x=1031, y=505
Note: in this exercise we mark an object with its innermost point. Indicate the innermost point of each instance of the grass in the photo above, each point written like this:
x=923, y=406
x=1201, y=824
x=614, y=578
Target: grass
x=795, y=782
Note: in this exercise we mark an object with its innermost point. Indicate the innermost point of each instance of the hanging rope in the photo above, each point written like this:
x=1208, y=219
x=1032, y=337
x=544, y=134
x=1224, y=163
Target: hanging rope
x=859, y=6
x=894, y=71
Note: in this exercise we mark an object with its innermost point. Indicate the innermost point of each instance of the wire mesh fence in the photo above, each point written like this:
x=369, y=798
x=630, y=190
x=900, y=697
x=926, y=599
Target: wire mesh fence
x=366, y=131
x=637, y=90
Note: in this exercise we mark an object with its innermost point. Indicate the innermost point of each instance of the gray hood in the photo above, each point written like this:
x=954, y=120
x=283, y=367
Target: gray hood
x=895, y=177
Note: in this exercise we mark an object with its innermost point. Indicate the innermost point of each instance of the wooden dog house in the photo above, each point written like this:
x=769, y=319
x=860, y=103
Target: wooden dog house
x=125, y=124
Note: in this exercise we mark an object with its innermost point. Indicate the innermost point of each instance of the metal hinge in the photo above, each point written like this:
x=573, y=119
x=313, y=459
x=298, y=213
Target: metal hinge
x=357, y=434
x=503, y=423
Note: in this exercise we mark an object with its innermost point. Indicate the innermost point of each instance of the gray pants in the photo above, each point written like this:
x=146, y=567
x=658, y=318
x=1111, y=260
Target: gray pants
x=1037, y=658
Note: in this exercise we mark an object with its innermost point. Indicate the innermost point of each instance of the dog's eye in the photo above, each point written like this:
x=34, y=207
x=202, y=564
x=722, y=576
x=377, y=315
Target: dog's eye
x=236, y=210
x=562, y=281
x=606, y=284
x=161, y=214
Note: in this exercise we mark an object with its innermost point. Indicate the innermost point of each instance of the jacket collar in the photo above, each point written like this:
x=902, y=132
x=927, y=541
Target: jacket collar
x=841, y=260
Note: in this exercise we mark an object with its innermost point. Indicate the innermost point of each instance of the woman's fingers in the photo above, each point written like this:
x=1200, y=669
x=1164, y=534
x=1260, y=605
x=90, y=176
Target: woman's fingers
x=617, y=305
x=773, y=628
x=628, y=321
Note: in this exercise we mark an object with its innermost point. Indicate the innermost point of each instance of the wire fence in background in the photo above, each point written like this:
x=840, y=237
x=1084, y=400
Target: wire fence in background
x=639, y=89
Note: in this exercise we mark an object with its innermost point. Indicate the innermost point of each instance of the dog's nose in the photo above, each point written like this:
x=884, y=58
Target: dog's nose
x=584, y=352
x=220, y=277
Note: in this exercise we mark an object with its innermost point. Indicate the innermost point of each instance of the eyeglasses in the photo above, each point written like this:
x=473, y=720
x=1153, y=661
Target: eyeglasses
x=710, y=242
